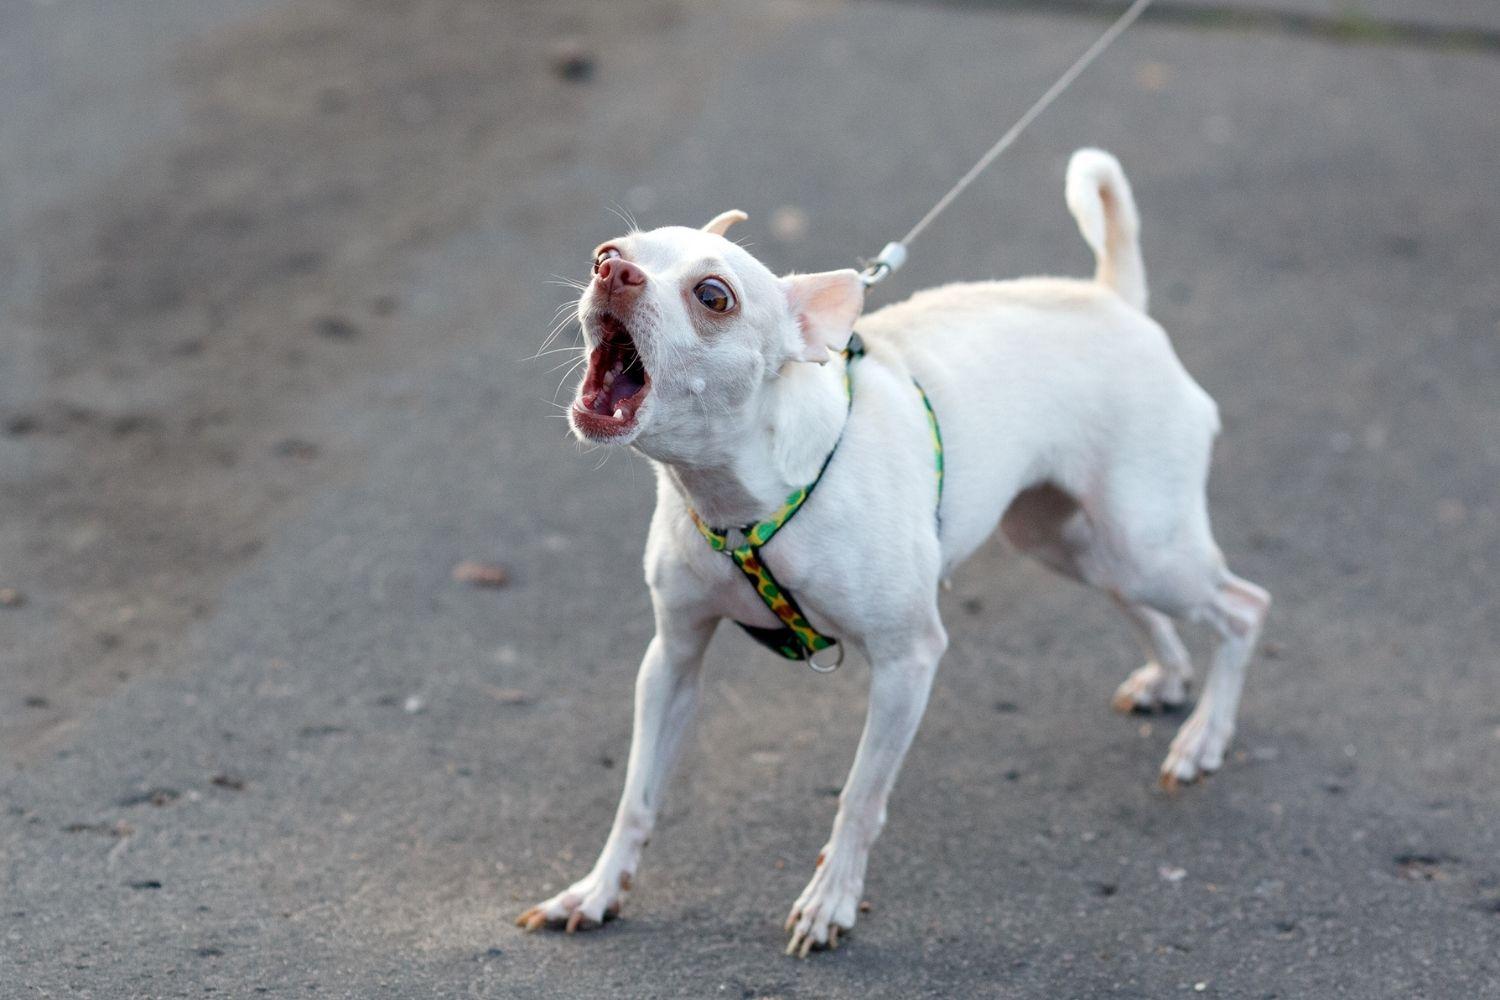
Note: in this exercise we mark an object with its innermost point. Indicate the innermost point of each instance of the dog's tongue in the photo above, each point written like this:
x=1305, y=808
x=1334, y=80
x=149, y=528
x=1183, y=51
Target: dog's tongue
x=620, y=384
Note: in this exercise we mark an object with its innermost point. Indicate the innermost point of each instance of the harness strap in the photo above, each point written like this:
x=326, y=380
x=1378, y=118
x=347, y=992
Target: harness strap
x=795, y=638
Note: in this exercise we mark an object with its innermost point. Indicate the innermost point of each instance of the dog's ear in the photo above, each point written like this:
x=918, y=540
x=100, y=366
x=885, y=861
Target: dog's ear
x=720, y=223
x=825, y=306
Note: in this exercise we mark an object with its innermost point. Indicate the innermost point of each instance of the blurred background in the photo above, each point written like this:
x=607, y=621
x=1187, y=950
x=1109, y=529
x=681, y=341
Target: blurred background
x=317, y=632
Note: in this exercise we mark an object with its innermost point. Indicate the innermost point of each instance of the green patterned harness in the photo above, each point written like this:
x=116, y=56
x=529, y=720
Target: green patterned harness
x=795, y=638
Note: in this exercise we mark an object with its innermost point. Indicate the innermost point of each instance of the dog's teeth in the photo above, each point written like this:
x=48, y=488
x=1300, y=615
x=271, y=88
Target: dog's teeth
x=620, y=413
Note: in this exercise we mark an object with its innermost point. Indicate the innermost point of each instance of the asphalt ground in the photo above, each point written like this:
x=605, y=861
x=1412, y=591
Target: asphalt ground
x=271, y=280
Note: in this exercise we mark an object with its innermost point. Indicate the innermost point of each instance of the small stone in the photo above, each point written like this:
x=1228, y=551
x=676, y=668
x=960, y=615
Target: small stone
x=571, y=61
x=10, y=597
x=414, y=705
x=159, y=796
x=1417, y=867
x=480, y=574
x=1171, y=873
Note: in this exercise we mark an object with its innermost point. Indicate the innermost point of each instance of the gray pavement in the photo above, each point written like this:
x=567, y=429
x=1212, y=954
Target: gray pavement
x=264, y=380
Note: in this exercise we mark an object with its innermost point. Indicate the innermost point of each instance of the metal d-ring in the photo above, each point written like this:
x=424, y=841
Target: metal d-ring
x=825, y=667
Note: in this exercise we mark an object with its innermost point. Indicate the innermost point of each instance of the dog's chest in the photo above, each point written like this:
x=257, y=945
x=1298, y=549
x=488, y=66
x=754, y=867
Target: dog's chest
x=694, y=572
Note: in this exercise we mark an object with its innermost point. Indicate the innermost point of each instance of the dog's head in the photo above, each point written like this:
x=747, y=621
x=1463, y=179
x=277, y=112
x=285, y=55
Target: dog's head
x=684, y=330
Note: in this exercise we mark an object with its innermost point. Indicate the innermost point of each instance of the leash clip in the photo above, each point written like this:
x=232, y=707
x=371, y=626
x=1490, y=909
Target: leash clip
x=883, y=266
x=826, y=666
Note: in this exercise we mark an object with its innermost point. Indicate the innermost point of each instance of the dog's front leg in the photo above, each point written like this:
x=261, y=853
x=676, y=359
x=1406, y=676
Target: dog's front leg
x=666, y=694
x=900, y=681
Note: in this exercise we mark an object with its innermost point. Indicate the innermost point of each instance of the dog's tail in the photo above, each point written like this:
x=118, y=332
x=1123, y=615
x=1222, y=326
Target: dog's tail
x=1099, y=198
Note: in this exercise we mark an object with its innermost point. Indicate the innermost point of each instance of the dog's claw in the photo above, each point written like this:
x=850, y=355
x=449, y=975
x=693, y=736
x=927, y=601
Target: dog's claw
x=583, y=906
x=1150, y=689
x=1196, y=752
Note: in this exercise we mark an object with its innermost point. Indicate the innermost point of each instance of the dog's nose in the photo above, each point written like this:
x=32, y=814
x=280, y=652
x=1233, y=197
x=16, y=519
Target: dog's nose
x=615, y=274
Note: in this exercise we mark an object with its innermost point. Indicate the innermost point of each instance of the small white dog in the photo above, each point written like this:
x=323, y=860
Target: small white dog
x=1055, y=408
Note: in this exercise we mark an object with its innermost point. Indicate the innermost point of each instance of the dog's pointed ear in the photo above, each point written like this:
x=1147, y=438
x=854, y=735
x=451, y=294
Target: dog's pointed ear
x=720, y=223
x=825, y=306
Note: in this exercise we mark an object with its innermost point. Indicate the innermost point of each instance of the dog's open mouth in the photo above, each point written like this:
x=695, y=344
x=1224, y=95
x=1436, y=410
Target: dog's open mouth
x=614, y=387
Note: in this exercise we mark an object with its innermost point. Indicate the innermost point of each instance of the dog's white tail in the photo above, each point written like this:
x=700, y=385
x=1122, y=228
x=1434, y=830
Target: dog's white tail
x=1099, y=198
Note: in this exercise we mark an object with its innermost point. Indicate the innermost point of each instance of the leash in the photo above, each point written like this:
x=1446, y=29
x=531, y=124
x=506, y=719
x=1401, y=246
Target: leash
x=795, y=638
x=889, y=261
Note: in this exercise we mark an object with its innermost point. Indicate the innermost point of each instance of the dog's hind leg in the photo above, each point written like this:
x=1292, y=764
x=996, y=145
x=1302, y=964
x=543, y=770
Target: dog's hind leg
x=1162, y=681
x=900, y=680
x=1050, y=526
x=1158, y=560
x=1236, y=610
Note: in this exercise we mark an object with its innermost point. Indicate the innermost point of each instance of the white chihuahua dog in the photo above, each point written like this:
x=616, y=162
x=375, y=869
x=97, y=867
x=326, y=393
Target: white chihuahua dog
x=1054, y=408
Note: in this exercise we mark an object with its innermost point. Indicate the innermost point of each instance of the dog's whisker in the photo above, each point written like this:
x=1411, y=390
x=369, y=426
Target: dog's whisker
x=574, y=363
x=547, y=354
x=551, y=337
x=567, y=375
x=623, y=214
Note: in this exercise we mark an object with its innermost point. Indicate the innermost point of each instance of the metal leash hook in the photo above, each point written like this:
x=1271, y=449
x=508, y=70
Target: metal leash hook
x=886, y=264
x=826, y=666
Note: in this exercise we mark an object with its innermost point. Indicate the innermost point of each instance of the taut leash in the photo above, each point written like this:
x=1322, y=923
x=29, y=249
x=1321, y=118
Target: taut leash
x=890, y=259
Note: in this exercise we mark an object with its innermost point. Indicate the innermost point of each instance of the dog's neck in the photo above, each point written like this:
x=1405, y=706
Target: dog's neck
x=748, y=467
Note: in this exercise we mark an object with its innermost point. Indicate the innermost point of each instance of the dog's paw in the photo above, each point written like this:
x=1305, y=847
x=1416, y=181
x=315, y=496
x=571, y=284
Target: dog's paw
x=1149, y=688
x=827, y=907
x=584, y=905
x=1197, y=750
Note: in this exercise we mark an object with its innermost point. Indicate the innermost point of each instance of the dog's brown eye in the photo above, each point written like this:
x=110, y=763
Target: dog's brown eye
x=714, y=294
x=604, y=255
